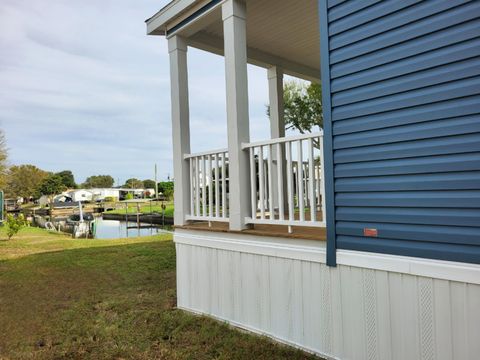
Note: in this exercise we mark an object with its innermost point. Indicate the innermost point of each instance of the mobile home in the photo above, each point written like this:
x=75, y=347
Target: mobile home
x=80, y=195
x=102, y=193
x=375, y=252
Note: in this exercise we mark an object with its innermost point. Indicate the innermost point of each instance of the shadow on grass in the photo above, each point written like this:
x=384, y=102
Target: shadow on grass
x=111, y=302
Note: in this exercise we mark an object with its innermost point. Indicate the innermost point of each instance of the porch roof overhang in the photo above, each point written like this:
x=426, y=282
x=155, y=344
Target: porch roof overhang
x=279, y=32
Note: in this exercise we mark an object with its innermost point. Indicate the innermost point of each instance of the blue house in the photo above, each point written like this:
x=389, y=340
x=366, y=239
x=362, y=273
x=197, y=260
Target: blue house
x=361, y=241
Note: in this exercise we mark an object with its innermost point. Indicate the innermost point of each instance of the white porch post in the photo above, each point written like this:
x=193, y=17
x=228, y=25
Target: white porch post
x=277, y=124
x=177, y=48
x=275, y=94
x=235, y=43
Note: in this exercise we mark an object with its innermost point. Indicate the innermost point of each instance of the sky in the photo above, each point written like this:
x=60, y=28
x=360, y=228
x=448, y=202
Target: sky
x=83, y=88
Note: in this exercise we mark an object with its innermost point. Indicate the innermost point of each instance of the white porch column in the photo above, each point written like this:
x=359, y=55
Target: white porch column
x=177, y=48
x=277, y=125
x=235, y=38
x=275, y=94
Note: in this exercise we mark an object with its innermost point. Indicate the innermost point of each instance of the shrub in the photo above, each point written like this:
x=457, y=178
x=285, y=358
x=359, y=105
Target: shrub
x=129, y=196
x=14, y=224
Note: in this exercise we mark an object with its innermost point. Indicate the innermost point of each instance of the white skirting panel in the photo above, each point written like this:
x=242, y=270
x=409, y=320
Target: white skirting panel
x=282, y=288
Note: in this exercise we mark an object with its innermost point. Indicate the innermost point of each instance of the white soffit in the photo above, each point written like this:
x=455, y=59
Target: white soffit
x=285, y=28
x=279, y=32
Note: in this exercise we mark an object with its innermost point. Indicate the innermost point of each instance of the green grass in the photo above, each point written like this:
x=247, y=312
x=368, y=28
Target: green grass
x=62, y=298
x=144, y=209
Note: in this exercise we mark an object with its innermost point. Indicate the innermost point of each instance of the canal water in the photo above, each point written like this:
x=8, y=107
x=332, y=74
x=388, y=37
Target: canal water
x=111, y=229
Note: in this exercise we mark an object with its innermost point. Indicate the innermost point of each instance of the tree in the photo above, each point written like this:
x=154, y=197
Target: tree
x=166, y=188
x=14, y=224
x=24, y=180
x=98, y=181
x=3, y=159
x=133, y=183
x=51, y=185
x=67, y=179
x=149, y=184
x=302, y=106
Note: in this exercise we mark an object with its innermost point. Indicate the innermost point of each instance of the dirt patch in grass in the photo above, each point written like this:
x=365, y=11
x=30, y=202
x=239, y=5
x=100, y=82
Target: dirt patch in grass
x=114, y=301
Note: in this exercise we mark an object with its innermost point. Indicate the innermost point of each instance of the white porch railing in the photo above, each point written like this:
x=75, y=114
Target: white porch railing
x=286, y=176
x=208, y=185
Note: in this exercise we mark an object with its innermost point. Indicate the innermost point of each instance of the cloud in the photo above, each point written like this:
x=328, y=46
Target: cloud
x=83, y=88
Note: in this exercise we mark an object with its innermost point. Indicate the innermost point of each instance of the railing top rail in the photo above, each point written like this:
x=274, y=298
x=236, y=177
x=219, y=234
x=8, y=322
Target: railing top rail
x=282, y=140
x=209, y=152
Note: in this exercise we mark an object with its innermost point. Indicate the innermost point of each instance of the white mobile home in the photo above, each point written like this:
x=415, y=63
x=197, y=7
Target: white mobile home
x=80, y=195
x=378, y=257
x=100, y=194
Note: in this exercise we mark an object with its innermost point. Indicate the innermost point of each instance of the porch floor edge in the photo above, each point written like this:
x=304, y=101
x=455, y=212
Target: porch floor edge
x=278, y=231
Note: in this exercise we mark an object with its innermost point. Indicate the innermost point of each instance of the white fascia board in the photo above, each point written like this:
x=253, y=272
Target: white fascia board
x=298, y=249
x=156, y=24
x=437, y=269
x=314, y=251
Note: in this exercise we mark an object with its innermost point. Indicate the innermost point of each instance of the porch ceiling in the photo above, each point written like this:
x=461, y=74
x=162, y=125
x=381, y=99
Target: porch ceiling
x=279, y=32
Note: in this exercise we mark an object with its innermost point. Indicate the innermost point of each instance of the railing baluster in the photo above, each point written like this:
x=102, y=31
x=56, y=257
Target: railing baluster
x=281, y=210
x=318, y=184
x=301, y=205
x=253, y=183
x=311, y=184
x=297, y=177
x=270, y=183
x=261, y=176
x=204, y=186
x=224, y=186
x=265, y=183
x=290, y=195
x=217, y=190
x=210, y=190
x=192, y=194
x=305, y=182
x=197, y=186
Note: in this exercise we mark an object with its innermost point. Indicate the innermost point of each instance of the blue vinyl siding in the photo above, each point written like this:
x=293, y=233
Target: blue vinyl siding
x=401, y=82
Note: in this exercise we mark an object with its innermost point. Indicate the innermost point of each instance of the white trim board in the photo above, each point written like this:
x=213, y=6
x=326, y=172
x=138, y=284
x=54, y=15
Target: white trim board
x=297, y=249
x=166, y=14
x=314, y=251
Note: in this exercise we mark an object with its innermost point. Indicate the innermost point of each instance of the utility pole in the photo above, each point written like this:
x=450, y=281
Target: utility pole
x=156, y=183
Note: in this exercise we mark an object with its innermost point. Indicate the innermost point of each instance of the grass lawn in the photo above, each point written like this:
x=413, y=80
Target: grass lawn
x=144, y=209
x=106, y=299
